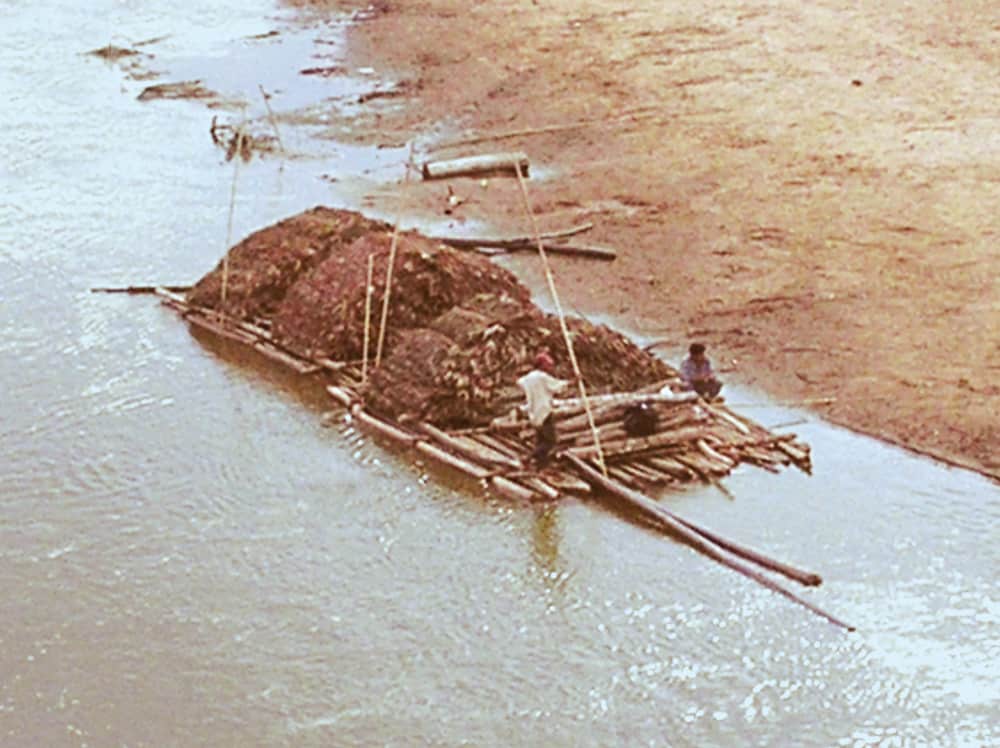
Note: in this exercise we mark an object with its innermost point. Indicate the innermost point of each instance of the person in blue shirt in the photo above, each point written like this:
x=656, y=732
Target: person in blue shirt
x=697, y=373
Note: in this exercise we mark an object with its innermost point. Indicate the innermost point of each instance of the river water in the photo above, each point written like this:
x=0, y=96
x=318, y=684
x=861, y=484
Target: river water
x=192, y=555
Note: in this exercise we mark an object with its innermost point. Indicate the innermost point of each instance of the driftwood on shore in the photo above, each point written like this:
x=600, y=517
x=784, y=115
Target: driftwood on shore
x=510, y=242
x=497, y=245
x=493, y=164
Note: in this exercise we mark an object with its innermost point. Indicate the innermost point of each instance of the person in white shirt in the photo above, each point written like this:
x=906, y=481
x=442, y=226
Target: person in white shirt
x=540, y=387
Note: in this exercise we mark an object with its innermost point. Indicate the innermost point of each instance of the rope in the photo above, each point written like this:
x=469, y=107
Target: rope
x=562, y=318
x=388, y=270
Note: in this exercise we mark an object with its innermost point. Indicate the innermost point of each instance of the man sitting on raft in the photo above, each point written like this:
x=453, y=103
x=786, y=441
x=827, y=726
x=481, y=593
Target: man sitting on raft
x=697, y=373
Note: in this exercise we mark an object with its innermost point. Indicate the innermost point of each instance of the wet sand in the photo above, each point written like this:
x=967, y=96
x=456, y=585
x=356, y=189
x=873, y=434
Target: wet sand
x=810, y=189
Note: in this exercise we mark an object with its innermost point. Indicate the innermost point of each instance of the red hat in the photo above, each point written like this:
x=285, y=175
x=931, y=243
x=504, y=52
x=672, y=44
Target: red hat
x=544, y=361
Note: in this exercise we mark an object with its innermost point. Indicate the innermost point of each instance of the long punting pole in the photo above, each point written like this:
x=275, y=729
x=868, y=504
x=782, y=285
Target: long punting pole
x=698, y=542
x=388, y=270
x=562, y=318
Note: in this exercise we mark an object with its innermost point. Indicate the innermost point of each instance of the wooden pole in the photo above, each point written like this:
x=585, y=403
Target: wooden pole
x=388, y=270
x=699, y=542
x=562, y=317
x=368, y=319
x=511, y=243
x=270, y=116
x=493, y=163
x=232, y=206
x=139, y=289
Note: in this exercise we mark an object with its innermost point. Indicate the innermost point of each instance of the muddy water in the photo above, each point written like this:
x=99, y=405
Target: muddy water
x=188, y=556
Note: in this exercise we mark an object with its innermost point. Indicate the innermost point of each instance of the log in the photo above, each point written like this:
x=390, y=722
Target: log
x=713, y=455
x=511, y=490
x=705, y=468
x=643, y=473
x=672, y=467
x=794, y=452
x=343, y=396
x=171, y=295
x=578, y=250
x=651, y=510
x=331, y=365
x=458, y=463
x=730, y=419
x=382, y=428
x=257, y=330
x=510, y=243
x=610, y=426
x=803, y=577
x=609, y=432
x=470, y=449
x=623, y=399
x=662, y=476
x=623, y=476
x=640, y=444
x=141, y=289
x=505, y=164
x=497, y=445
x=670, y=411
x=537, y=484
x=276, y=354
x=566, y=482
x=223, y=331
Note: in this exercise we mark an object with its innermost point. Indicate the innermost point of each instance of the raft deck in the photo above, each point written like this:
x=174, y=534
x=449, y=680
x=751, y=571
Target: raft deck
x=693, y=440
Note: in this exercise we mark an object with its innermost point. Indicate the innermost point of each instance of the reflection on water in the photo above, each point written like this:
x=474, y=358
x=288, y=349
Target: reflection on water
x=545, y=541
x=192, y=555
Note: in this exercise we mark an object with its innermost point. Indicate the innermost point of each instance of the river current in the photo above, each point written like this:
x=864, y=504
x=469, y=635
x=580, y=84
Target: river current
x=194, y=553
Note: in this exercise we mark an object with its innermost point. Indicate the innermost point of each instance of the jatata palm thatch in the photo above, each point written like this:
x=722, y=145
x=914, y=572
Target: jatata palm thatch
x=324, y=312
x=262, y=267
x=473, y=379
x=461, y=329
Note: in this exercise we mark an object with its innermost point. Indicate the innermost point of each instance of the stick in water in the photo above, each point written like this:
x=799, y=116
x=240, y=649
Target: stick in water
x=270, y=115
x=232, y=206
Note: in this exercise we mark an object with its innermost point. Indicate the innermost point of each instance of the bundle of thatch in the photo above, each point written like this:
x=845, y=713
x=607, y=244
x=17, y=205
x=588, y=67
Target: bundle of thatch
x=464, y=369
x=323, y=314
x=260, y=269
x=460, y=329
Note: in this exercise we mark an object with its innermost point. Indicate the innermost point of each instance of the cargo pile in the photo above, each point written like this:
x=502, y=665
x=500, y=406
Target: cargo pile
x=460, y=329
x=463, y=370
x=258, y=272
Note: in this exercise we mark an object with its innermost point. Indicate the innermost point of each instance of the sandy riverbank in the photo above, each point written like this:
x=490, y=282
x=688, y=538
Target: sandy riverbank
x=809, y=188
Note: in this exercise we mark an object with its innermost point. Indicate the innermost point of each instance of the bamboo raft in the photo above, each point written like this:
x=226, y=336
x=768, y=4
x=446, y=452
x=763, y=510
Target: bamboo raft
x=694, y=441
